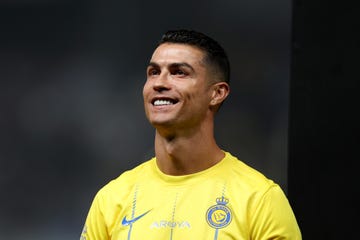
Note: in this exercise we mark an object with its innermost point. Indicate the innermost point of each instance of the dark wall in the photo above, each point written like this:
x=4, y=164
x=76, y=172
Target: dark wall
x=323, y=122
x=71, y=114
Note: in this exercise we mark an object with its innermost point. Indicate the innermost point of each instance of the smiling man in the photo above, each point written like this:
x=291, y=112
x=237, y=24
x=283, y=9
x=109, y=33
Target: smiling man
x=191, y=188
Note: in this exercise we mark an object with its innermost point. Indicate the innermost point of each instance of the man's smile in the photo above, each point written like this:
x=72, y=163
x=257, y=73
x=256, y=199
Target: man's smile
x=163, y=101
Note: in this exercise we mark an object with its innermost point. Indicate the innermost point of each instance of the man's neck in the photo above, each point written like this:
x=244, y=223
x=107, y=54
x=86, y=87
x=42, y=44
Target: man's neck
x=182, y=155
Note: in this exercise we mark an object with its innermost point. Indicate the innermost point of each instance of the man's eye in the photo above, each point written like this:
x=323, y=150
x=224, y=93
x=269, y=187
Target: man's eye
x=153, y=72
x=179, y=72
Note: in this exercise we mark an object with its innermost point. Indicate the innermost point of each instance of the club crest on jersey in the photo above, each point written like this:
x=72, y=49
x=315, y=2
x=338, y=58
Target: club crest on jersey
x=219, y=215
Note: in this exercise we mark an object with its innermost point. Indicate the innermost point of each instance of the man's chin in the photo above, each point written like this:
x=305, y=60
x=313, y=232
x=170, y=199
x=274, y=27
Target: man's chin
x=162, y=122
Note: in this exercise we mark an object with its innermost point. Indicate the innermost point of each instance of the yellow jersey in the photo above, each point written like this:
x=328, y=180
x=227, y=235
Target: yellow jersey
x=227, y=201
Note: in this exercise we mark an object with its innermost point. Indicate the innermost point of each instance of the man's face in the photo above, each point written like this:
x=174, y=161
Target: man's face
x=177, y=92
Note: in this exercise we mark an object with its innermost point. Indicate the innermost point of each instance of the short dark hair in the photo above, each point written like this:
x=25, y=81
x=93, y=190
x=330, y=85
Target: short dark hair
x=215, y=55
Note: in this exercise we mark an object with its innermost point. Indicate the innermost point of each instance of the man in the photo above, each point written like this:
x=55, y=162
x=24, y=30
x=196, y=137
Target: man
x=191, y=189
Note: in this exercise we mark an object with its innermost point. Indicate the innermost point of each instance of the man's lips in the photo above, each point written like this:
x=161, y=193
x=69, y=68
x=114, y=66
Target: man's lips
x=163, y=101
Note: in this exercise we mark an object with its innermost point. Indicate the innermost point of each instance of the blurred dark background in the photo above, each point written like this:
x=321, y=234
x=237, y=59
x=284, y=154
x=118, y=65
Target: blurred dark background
x=71, y=113
x=323, y=131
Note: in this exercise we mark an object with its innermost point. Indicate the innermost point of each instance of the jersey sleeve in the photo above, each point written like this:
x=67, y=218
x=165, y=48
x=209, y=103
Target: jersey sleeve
x=95, y=226
x=273, y=217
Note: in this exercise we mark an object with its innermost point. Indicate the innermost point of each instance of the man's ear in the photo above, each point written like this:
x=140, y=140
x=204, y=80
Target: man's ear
x=220, y=92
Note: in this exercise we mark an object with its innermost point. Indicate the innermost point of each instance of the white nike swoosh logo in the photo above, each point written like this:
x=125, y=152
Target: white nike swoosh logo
x=126, y=222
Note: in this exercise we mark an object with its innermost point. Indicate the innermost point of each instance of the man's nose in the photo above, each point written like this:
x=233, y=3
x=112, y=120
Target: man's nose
x=162, y=82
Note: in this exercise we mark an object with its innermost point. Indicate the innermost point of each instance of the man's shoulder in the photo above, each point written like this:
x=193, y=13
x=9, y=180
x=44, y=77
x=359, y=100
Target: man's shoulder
x=128, y=177
x=247, y=174
x=140, y=170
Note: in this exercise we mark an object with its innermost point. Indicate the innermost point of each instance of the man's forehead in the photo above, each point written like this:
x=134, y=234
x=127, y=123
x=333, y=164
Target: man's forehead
x=173, y=53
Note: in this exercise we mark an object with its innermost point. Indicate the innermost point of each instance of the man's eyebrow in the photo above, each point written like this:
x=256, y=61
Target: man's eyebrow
x=182, y=64
x=153, y=64
x=172, y=65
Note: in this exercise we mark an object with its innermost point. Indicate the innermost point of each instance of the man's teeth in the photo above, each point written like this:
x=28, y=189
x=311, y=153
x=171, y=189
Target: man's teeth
x=162, y=102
